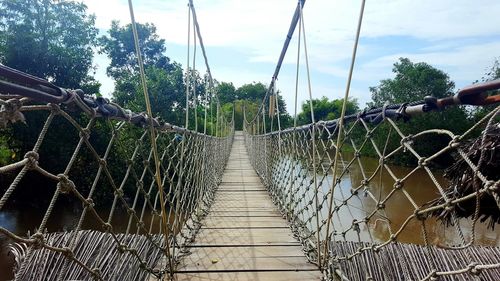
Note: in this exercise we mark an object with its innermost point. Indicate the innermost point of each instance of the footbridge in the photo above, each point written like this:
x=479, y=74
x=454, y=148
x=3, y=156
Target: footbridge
x=116, y=194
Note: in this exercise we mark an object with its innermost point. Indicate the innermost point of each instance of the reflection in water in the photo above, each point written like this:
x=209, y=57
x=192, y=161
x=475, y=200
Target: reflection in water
x=418, y=189
x=63, y=218
x=398, y=205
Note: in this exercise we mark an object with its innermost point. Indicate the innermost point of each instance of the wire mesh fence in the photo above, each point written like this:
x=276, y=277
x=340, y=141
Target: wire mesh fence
x=432, y=218
x=95, y=161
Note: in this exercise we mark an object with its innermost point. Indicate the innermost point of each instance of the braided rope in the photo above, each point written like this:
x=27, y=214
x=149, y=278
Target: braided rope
x=356, y=249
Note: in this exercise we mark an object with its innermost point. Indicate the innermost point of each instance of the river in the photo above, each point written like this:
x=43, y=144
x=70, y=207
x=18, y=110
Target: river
x=418, y=186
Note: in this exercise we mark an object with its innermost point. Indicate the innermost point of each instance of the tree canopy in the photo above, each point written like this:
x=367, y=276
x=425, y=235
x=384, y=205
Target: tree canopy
x=325, y=109
x=118, y=44
x=50, y=39
x=412, y=82
x=165, y=80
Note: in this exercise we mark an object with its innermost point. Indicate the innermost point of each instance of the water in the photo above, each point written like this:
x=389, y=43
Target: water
x=418, y=186
x=418, y=189
x=63, y=218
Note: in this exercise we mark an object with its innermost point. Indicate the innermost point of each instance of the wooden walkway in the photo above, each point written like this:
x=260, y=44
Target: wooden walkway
x=244, y=237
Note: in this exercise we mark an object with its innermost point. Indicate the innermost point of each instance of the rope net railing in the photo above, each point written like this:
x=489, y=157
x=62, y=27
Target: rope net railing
x=373, y=220
x=104, y=178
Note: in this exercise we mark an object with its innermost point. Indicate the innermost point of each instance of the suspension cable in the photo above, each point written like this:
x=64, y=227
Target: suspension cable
x=291, y=30
x=195, y=102
x=313, y=136
x=341, y=123
x=152, y=132
x=188, y=72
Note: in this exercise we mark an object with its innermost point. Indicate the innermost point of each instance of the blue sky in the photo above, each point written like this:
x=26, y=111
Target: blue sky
x=244, y=38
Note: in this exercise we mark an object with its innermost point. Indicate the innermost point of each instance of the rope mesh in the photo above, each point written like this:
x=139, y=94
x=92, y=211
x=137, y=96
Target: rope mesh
x=124, y=249
x=366, y=240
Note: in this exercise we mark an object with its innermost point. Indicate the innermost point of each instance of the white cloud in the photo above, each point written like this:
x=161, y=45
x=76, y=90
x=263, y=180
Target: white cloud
x=257, y=28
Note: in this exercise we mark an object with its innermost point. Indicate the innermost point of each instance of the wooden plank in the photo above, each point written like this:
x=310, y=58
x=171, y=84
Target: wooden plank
x=241, y=222
x=219, y=262
x=248, y=252
x=245, y=236
x=257, y=275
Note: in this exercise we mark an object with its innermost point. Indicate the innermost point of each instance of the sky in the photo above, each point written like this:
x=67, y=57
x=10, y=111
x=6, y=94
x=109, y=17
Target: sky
x=243, y=40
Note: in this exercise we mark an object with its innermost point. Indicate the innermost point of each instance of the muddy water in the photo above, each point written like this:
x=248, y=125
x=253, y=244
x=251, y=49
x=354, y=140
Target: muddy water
x=63, y=218
x=418, y=189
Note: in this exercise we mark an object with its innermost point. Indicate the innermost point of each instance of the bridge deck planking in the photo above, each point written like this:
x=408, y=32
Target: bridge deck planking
x=244, y=237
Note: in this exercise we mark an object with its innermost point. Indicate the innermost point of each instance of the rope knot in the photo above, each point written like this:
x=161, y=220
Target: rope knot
x=491, y=185
x=102, y=162
x=85, y=133
x=398, y=184
x=119, y=193
x=68, y=253
x=140, y=185
x=10, y=112
x=65, y=185
x=130, y=211
x=355, y=226
x=408, y=139
x=32, y=159
x=107, y=227
x=89, y=203
x=455, y=142
x=96, y=273
x=448, y=206
x=39, y=240
x=140, y=225
x=473, y=268
x=54, y=108
x=121, y=248
x=422, y=162
x=419, y=215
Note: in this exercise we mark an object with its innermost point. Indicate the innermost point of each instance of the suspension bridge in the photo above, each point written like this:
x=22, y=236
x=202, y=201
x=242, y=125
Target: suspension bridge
x=265, y=203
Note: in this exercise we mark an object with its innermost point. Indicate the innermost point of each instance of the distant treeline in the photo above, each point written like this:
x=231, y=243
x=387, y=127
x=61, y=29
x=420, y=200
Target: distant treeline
x=56, y=40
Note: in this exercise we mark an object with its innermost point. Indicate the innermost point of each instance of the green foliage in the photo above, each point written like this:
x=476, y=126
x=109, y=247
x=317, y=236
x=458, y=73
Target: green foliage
x=248, y=98
x=165, y=80
x=325, y=109
x=226, y=92
x=252, y=92
x=120, y=48
x=491, y=74
x=166, y=93
x=412, y=82
x=49, y=39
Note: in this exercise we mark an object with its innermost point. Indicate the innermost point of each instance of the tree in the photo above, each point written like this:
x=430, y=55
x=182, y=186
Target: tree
x=120, y=48
x=226, y=92
x=493, y=72
x=412, y=82
x=50, y=39
x=325, y=109
x=252, y=92
x=165, y=79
